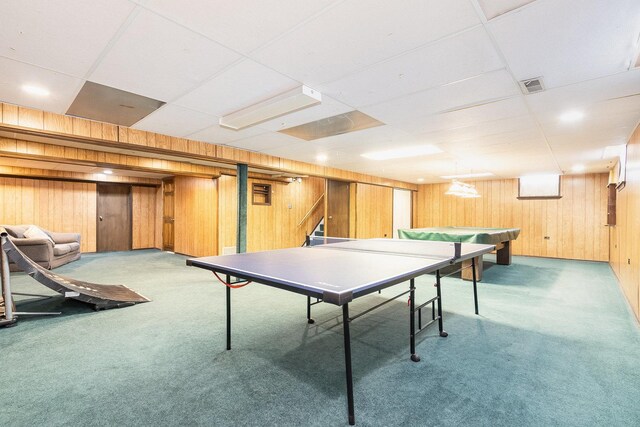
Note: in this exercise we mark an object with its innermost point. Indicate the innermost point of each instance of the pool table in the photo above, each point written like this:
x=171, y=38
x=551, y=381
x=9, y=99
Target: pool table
x=501, y=237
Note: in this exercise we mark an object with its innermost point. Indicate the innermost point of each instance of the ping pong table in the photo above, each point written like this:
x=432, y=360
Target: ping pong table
x=337, y=271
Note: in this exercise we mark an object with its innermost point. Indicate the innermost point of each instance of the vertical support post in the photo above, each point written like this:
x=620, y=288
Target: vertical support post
x=475, y=285
x=347, y=362
x=440, y=322
x=412, y=321
x=241, y=229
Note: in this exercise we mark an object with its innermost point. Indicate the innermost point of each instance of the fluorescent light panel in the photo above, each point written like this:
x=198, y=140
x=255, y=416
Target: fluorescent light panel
x=398, y=153
x=285, y=103
x=467, y=175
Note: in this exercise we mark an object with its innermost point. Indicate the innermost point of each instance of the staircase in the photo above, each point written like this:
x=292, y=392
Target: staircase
x=317, y=232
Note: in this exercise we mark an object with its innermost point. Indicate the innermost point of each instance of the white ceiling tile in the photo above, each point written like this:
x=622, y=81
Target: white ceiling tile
x=359, y=33
x=307, y=151
x=486, y=130
x=589, y=156
x=372, y=137
x=584, y=94
x=218, y=135
x=463, y=56
x=244, y=84
x=159, y=59
x=621, y=112
x=265, y=141
x=243, y=25
x=494, y=8
x=66, y=36
x=565, y=41
x=463, y=94
x=63, y=88
x=507, y=108
x=175, y=121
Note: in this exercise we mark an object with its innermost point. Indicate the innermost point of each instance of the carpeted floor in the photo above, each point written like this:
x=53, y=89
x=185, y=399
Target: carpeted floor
x=555, y=344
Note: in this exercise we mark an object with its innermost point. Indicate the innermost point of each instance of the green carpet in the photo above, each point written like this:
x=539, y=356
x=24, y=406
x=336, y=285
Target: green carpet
x=555, y=344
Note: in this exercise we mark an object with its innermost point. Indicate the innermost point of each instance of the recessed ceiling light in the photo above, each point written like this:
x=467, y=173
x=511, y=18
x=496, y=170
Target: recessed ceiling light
x=420, y=179
x=578, y=168
x=35, y=90
x=571, y=116
x=467, y=175
x=421, y=150
x=321, y=157
x=107, y=171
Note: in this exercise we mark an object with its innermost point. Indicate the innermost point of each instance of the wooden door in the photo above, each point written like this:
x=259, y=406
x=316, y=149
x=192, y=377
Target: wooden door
x=337, y=221
x=114, y=218
x=168, y=219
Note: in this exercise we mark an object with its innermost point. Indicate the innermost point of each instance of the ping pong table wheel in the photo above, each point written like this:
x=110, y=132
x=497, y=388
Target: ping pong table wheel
x=311, y=321
x=444, y=334
x=415, y=358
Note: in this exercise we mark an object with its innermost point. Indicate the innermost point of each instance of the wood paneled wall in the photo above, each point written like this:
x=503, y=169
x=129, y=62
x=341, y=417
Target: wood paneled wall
x=625, y=235
x=570, y=227
x=196, y=216
x=277, y=225
x=373, y=211
x=68, y=206
x=54, y=205
x=146, y=218
x=227, y=211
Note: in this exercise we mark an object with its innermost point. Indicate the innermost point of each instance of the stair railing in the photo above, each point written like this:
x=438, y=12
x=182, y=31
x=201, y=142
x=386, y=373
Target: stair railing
x=311, y=210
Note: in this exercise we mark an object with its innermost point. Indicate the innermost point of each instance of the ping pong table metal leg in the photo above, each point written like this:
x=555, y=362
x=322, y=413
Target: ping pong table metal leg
x=440, y=325
x=347, y=362
x=228, y=315
x=412, y=320
x=475, y=286
x=309, y=319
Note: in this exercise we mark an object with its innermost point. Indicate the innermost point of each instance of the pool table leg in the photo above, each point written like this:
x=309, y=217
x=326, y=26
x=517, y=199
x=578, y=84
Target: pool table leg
x=467, y=273
x=503, y=255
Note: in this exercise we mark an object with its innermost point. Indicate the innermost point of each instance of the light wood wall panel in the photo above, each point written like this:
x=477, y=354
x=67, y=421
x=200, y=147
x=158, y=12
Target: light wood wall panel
x=146, y=218
x=54, y=205
x=196, y=216
x=279, y=225
x=227, y=212
x=625, y=235
x=373, y=211
x=574, y=224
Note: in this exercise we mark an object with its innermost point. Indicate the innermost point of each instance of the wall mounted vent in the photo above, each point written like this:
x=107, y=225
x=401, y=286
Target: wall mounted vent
x=532, y=85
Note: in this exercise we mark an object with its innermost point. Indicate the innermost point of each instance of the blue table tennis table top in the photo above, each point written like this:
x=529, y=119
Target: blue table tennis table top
x=341, y=270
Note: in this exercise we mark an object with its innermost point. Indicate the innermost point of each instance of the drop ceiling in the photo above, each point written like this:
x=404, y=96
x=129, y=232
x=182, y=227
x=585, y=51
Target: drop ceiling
x=443, y=73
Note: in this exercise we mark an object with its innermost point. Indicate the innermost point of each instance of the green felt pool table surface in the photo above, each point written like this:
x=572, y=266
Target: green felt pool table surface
x=461, y=234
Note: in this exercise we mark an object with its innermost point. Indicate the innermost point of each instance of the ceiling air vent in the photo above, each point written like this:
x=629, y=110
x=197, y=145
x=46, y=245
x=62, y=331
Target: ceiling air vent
x=532, y=85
